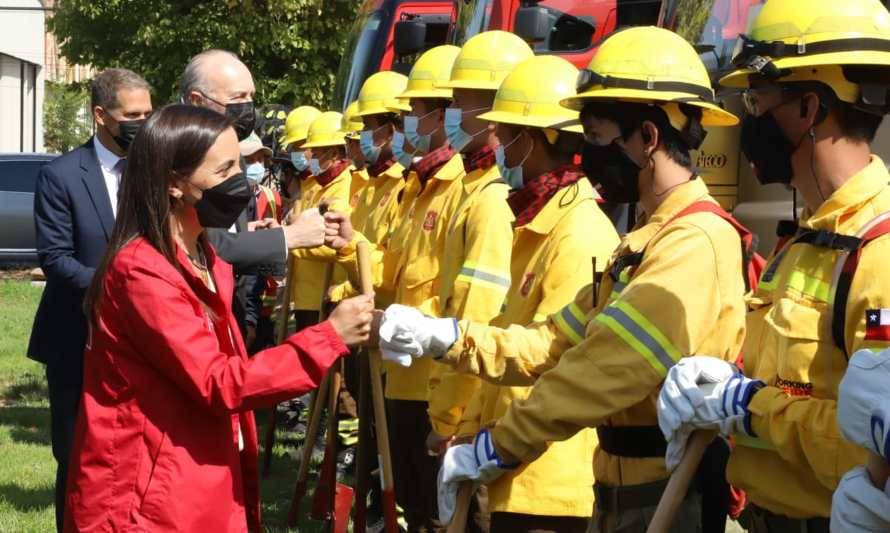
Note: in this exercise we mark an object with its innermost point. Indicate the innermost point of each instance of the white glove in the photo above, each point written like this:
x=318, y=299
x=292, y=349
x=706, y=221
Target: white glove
x=681, y=393
x=718, y=395
x=864, y=391
x=859, y=506
x=477, y=462
x=405, y=331
x=880, y=427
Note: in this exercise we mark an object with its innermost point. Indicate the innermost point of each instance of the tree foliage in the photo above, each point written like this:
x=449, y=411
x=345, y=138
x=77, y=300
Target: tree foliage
x=67, y=122
x=293, y=47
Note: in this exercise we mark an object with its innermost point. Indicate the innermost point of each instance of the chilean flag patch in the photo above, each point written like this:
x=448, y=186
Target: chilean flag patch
x=877, y=325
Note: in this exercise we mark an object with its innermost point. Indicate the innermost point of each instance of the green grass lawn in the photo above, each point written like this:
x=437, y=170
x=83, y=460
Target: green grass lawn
x=27, y=468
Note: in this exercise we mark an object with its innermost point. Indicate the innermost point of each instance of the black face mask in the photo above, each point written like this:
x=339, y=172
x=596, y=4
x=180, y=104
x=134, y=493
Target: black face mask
x=243, y=117
x=614, y=170
x=220, y=206
x=127, y=130
x=767, y=149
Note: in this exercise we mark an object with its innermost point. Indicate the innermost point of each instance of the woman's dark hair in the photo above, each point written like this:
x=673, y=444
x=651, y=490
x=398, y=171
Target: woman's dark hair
x=171, y=143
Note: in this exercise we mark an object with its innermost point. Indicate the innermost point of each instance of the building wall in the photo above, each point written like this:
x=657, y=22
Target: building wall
x=21, y=75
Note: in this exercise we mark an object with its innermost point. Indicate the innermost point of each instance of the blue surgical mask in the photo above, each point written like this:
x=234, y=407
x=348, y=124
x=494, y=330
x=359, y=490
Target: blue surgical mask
x=421, y=142
x=512, y=175
x=298, y=159
x=314, y=167
x=370, y=150
x=255, y=172
x=398, y=150
x=457, y=137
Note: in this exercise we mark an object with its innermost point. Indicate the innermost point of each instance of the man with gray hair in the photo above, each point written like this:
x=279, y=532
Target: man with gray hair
x=218, y=80
x=75, y=204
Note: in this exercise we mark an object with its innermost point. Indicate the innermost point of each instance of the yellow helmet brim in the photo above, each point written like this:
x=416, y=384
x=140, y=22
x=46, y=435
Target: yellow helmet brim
x=427, y=93
x=482, y=85
x=739, y=78
x=326, y=144
x=534, y=121
x=712, y=115
x=382, y=110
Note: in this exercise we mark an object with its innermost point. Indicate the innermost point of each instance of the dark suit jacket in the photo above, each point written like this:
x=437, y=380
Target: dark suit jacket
x=73, y=217
x=246, y=250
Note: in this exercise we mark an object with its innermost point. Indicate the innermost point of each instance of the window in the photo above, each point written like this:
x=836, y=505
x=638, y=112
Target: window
x=713, y=26
x=19, y=176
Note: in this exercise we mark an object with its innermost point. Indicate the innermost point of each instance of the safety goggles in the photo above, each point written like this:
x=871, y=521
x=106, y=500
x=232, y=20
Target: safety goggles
x=760, y=100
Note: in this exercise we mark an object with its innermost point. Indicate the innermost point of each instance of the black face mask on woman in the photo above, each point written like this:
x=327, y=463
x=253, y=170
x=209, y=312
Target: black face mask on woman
x=614, y=170
x=220, y=206
x=768, y=149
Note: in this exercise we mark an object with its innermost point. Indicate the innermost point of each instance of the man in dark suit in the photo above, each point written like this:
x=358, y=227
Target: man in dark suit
x=75, y=205
x=218, y=80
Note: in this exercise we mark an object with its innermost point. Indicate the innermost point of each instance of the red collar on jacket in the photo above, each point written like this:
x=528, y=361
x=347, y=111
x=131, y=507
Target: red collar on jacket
x=331, y=173
x=380, y=167
x=483, y=158
x=528, y=201
x=432, y=162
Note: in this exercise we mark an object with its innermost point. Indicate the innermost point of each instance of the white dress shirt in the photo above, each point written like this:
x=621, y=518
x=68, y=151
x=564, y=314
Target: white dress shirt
x=108, y=161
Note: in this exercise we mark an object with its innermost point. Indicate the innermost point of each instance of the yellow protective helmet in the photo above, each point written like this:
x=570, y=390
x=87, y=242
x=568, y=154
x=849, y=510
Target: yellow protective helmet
x=809, y=40
x=650, y=65
x=326, y=130
x=530, y=95
x=352, y=125
x=486, y=59
x=380, y=94
x=297, y=123
x=431, y=68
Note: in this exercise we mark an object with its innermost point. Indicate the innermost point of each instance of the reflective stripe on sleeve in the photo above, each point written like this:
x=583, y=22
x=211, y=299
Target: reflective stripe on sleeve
x=640, y=334
x=809, y=286
x=472, y=273
x=572, y=321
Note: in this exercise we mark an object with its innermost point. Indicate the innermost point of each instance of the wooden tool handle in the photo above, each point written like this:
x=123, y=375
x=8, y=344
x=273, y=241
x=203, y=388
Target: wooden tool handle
x=458, y=522
x=318, y=399
x=878, y=470
x=363, y=254
x=679, y=483
x=284, y=303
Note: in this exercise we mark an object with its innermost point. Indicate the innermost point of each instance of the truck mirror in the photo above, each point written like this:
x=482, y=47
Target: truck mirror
x=409, y=36
x=532, y=23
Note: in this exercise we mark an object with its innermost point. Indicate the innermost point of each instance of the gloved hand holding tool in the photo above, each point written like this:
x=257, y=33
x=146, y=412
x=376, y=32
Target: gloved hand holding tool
x=702, y=392
x=477, y=462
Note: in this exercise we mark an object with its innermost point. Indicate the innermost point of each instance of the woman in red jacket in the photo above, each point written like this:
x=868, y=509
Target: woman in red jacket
x=166, y=439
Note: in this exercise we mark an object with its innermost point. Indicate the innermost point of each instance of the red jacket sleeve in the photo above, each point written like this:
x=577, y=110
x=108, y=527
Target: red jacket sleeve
x=170, y=330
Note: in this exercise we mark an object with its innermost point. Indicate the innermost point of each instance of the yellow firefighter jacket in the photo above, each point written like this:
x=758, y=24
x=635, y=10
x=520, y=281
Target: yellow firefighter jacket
x=550, y=264
x=795, y=464
x=307, y=276
x=359, y=180
x=608, y=360
x=411, y=265
x=475, y=277
x=374, y=217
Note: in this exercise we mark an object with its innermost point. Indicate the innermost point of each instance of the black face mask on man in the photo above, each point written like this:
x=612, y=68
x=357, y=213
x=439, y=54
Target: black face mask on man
x=220, y=205
x=243, y=117
x=127, y=130
x=614, y=170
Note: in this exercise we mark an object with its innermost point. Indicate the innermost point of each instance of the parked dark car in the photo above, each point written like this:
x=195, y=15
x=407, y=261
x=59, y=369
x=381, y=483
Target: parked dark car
x=18, y=176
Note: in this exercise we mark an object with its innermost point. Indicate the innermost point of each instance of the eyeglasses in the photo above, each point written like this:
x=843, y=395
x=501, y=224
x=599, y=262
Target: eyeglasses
x=760, y=100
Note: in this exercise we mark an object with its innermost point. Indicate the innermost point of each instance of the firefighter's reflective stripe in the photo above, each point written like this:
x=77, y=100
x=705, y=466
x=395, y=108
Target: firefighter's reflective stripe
x=809, y=285
x=641, y=334
x=572, y=321
x=471, y=272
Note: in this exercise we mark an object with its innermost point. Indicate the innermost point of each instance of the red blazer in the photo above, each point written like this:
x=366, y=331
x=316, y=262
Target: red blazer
x=166, y=389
